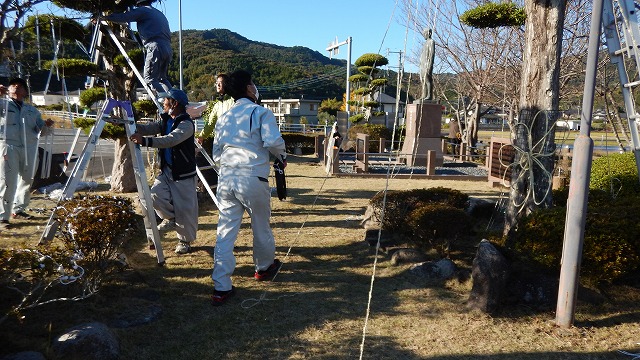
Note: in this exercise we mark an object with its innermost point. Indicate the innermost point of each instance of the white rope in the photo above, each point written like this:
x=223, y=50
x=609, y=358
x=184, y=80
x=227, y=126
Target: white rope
x=530, y=159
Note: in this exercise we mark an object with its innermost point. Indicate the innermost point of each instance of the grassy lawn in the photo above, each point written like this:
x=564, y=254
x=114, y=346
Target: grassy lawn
x=316, y=307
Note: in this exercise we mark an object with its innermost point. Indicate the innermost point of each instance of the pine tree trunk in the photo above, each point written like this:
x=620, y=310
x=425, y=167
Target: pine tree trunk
x=123, y=178
x=538, y=103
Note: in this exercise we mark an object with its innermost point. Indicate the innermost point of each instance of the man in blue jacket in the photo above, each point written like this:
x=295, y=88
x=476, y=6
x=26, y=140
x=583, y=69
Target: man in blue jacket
x=174, y=191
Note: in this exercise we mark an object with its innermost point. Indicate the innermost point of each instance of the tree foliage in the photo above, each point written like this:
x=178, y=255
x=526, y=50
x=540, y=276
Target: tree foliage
x=367, y=84
x=492, y=15
x=330, y=106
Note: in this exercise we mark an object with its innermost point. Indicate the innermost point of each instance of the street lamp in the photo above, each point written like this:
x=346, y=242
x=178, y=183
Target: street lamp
x=333, y=49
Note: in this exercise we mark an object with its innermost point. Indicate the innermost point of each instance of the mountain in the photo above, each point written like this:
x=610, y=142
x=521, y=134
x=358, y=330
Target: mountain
x=279, y=71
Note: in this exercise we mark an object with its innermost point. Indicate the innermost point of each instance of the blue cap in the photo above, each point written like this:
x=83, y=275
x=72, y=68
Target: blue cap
x=177, y=95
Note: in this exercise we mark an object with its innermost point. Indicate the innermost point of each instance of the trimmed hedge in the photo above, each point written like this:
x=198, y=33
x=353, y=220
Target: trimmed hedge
x=306, y=143
x=435, y=225
x=375, y=132
x=611, y=242
x=400, y=204
x=615, y=172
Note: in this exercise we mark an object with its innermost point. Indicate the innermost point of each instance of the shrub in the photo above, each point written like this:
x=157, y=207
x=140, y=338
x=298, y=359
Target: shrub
x=326, y=118
x=91, y=231
x=305, y=142
x=95, y=226
x=611, y=242
x=145, y=108
x=435, y=225
x=615, y=173
x=375, y=132
x=399, y=204
x=110, y=131
x=354, y=119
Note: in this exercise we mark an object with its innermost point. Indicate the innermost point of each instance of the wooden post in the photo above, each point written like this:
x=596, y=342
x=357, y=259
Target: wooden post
x=431, y=162
x=319, y=146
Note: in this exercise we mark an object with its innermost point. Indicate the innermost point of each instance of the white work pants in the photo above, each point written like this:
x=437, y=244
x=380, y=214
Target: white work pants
x=235, y=195
x=12, y=169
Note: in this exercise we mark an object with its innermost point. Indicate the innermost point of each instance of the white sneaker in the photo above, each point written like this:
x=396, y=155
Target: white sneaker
x=167, y=224
x=183, y=247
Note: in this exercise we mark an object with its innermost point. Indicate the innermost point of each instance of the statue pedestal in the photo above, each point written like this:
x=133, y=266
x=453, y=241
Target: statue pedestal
x=423, y=133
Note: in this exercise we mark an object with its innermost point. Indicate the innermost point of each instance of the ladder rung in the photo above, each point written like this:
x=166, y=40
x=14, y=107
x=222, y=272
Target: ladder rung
x=632, y=84
x=622, y=51
x=207, y=167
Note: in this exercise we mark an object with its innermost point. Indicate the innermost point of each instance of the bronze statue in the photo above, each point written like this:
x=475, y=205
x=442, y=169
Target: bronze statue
x=426, y=65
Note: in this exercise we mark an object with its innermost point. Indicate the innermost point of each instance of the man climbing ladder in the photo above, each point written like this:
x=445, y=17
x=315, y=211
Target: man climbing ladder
x=153, y=28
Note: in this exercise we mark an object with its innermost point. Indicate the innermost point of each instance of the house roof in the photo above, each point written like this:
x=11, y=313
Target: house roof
x=195, y=110
x=384, y=98
x=273, y=101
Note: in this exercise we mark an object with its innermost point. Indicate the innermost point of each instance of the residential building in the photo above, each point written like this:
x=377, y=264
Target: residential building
x=39, y=98
x=291, y=110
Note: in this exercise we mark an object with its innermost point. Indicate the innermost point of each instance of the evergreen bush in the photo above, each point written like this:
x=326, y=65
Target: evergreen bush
x=611, y=247
x=435, y=225
x=615, y=173
x=306, y=143
x=400, y=204
x=375, y=132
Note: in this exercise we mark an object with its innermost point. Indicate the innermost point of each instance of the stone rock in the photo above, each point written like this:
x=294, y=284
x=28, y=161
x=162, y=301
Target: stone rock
x=489, y=273
x=480, y=208
x=25, y=355
x=440, y=270
x=407, y=256
x=87, y=341
x=370, y=219
x=371, y=237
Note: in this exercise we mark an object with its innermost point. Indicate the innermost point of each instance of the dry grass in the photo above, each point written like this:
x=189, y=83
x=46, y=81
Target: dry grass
x=315, y=308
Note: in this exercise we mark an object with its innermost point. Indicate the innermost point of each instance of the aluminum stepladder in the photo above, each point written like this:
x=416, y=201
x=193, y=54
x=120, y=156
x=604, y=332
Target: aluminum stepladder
x=150, y=92
x=622, y=37
x=144, y=193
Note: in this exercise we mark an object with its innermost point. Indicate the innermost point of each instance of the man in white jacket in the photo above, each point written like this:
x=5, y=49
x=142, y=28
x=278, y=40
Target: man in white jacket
x=244, y=137
x=20, y=129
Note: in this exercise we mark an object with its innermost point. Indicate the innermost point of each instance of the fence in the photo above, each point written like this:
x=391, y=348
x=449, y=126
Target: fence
x=67, y=115
x=305, y=128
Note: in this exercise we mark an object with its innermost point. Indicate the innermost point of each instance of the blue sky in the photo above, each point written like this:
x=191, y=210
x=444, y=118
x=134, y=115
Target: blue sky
x=372, y=25
x=313, y=24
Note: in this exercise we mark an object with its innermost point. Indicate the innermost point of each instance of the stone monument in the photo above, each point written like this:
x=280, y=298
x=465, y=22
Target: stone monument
x=423, y=118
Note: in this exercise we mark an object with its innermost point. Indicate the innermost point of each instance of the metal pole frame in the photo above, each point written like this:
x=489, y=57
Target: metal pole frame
x=579, y=188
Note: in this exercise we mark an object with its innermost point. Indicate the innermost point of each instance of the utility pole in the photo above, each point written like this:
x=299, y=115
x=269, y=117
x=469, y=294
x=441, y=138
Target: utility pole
x=398, y=85
x=180, y=42
x=333, y=49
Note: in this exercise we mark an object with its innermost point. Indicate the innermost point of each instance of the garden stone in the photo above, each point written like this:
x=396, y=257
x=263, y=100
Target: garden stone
x=407, y=256
x=371, y=237
x=440, y=270
x=87, y=341
x=489, y=273
x=25, y=355
x=480, y=208
x=370, y=219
